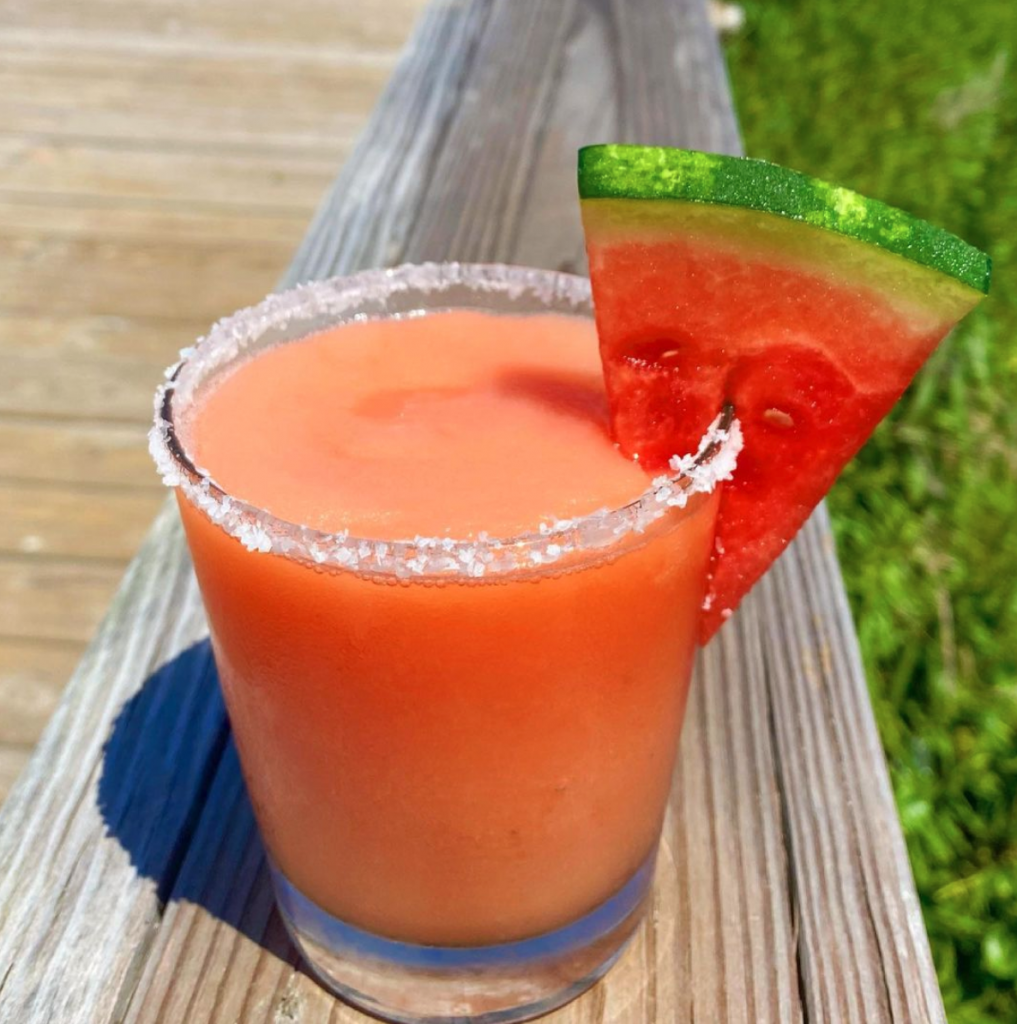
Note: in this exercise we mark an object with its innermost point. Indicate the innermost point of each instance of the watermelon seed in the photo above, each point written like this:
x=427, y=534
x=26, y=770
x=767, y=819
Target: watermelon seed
x=778, y=418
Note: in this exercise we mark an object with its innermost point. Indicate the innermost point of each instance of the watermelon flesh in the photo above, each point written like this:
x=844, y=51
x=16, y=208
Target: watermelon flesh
x=812, y=337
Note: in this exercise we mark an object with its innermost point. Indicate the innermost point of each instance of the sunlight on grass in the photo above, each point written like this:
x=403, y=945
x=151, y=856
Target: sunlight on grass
x=916, y=104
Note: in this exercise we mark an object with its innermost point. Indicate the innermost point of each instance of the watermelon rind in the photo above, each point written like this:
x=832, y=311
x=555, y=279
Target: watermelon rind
x=616, y=171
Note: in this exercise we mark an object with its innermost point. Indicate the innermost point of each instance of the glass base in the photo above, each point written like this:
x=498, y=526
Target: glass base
x=442, y=984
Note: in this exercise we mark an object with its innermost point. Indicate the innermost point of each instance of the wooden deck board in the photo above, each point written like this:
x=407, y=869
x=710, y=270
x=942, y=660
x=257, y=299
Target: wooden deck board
x=32, y=677
x=88, y=522
x=13, y=758
x=81, y=333
x=54, y=599
x=182, y=179
x=325, y=29
x=108, y=260
x=72, y=455
x=783, y=893
x=159, y=162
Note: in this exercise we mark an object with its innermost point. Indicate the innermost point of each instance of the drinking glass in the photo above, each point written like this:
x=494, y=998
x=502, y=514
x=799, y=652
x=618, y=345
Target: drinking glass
x=459, y=751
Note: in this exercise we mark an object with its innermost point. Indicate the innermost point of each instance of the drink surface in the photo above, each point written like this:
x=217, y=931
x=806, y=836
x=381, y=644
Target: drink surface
x=453, y=762
x=447, y=424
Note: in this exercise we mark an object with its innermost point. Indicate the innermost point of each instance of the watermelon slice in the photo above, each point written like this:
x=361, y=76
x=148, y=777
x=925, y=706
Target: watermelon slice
x=808, y=307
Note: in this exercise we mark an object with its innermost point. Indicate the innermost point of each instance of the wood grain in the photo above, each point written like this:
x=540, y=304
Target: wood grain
x=13, y=758
x=90, y=779
x=180, y=179
x=783, y=893
x=90, y=455
x=123, y=261
x=53, y=599
x=192, y=99
x=345, y=28
x=97, y=389
x=89, y=522
x=32, y=677
x=145, y=336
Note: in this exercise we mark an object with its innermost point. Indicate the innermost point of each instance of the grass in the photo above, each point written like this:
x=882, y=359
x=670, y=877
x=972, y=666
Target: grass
x=916, y=103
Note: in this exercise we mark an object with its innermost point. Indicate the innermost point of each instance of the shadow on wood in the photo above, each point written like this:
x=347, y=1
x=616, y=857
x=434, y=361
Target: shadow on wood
x=220, y=870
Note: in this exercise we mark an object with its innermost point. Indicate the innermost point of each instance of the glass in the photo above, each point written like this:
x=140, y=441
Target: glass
x=459, y=752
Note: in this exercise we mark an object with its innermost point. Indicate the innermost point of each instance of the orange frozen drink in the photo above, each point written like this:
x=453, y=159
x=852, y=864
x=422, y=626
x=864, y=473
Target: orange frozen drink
x=454, y=626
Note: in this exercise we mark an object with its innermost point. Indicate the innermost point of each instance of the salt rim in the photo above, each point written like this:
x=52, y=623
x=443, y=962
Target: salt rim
x=419, y=557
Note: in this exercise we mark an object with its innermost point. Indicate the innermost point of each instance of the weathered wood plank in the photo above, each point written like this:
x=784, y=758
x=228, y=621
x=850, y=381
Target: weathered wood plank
x=108, y=259
x=123, y=219
x=13, y=759
x=146, y=337
x=863, y=948
x=96, y=455
x=783, y=892
x=219, y=24
x=727, y=844
x=95, y=388
x=68, y=896
x=282, y=181
x=79, y=522
x=32, y=677
x=53, y=599
x=179, y=97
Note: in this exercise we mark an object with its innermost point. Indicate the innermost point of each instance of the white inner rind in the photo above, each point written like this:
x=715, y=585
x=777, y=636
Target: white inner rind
x=339, y=299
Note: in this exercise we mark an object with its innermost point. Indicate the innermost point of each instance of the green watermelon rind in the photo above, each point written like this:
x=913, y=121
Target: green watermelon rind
x=617, y=171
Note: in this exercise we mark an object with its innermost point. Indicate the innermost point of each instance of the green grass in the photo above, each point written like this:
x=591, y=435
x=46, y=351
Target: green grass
x=915, y=103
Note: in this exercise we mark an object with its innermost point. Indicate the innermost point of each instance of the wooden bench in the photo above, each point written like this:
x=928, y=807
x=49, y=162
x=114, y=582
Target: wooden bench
x=132, y=883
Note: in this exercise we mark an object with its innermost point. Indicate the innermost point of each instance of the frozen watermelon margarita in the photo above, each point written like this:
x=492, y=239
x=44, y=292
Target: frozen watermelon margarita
x=457, y=543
